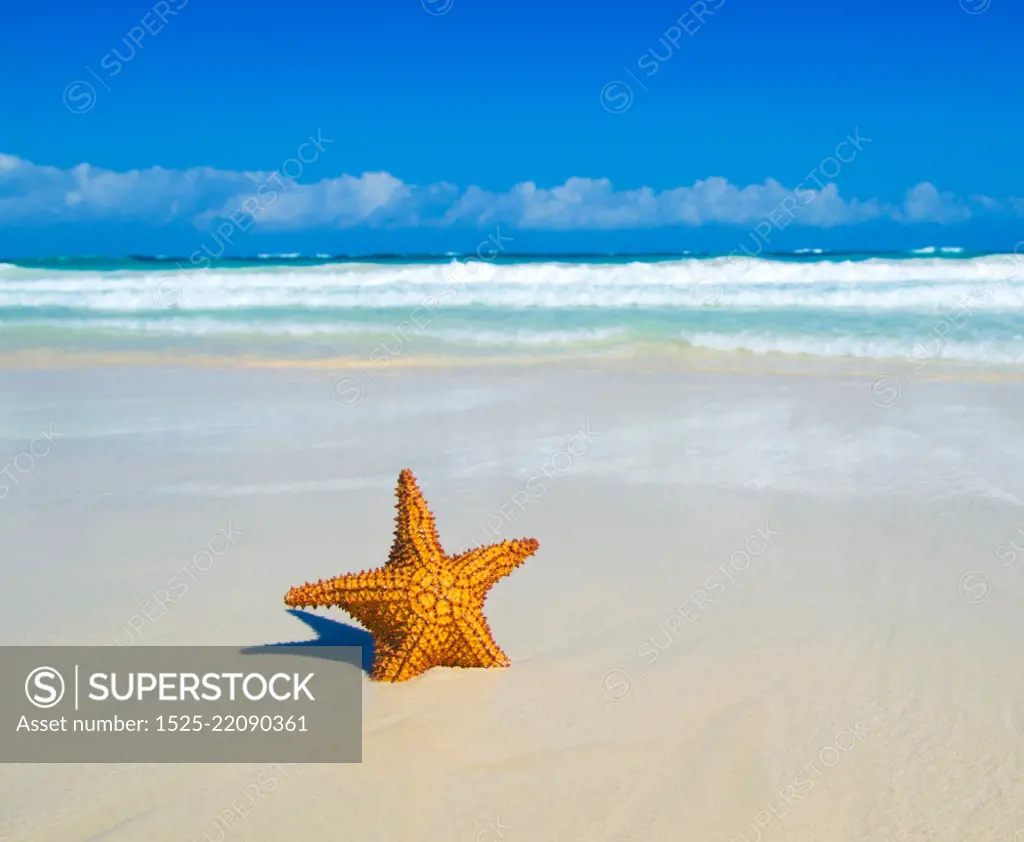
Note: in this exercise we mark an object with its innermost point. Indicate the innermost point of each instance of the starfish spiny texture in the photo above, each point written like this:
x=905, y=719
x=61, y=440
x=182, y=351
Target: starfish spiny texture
x=424, y=608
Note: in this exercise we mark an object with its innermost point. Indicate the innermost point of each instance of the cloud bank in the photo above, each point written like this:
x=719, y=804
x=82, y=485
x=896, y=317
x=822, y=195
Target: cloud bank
x=283, y=200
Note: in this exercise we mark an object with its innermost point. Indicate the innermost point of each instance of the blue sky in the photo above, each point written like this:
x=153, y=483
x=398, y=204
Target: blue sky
x=440, y=120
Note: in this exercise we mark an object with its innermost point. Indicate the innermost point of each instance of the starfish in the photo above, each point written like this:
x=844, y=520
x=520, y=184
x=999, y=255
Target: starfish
x=423, y=607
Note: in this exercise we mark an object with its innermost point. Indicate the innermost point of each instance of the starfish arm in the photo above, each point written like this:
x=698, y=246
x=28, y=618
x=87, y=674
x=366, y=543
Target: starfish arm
x=376, y=599
x=401, y=657
x=416, y=540
x=367, y=588
x=477, y=648
x=486, y=565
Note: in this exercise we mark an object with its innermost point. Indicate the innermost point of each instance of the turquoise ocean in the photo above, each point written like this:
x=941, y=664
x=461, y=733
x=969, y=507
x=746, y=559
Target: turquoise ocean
x=932, y=302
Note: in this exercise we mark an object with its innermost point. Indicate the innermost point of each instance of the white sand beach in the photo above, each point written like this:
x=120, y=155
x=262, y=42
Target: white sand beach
x=771, y=600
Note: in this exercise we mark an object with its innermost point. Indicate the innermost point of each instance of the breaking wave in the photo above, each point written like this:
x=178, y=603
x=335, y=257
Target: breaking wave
x=814, y=304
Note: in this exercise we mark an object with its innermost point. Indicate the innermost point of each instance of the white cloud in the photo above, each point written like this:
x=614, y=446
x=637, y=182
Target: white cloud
x=924, y=203
x=32, y=193
x=987, y=202
x=334, y=202
x=595, y=203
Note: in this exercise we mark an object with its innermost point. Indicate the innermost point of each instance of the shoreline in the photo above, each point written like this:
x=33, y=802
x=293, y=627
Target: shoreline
x=692, y=361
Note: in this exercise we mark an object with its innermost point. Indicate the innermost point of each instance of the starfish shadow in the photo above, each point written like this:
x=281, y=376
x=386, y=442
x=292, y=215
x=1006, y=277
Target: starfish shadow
x=329, y=633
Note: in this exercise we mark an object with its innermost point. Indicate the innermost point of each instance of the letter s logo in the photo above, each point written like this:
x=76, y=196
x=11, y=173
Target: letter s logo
x=44, y=687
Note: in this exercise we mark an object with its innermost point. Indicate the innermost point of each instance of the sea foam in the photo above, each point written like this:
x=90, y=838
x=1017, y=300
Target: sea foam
x=873, y=307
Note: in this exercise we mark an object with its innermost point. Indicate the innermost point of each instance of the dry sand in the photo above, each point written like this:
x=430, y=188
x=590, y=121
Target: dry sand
x=764, y=606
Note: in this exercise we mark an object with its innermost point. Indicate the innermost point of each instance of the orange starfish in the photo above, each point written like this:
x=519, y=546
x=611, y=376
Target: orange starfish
x=424, y=608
